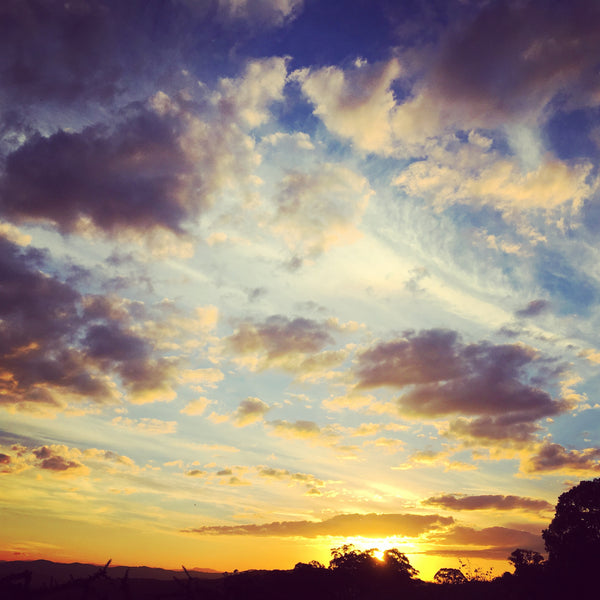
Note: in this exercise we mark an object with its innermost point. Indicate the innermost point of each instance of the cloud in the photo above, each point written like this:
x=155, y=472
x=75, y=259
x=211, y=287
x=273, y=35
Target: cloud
x=58, y=459
x=146, y=425
x=251, y=410
x=432, y=458
x=65, y=54
x=102, y=178
x=356, y=103
x=305, y=479
x=293, y=345
x=297, y=430
x=196, y=407
x=464, y=173
x=202, y=378
x=260, y=12
x=513, y=58
x=59, y=346
x=320, y=209
x=487, y=502
x=554, y=458
x=533, y=309
x=153, y=171
x=491, y=384
x=250, y=95
x=375, y=525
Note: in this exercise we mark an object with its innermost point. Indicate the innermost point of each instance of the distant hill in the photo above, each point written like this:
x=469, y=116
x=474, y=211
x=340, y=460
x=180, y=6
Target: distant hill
x=45, y=572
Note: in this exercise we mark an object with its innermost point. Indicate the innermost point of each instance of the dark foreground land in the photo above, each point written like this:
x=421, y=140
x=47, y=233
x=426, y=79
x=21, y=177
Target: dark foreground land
x=53, y=581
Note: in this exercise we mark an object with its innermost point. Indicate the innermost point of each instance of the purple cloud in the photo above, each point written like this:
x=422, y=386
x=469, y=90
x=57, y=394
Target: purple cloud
x=497, y=385
x=56, y=343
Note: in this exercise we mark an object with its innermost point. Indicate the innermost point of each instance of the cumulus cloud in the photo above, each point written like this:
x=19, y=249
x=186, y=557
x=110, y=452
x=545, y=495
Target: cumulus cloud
x=249, y=96
x=104, y=178
x=151, y=171
x=69, y=53
x=554, y=458
x=63, y=460
x=375, y=525
x=250, y=410
x=293, y=345
x=487, y=502
x=196, y=407
x=57, y=458
x=513, y=58
x=279, y=336
x=490, y=386
x=356, y=103
x=59, y=346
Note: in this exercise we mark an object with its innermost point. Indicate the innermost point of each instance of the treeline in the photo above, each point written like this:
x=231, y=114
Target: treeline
x=572, y=541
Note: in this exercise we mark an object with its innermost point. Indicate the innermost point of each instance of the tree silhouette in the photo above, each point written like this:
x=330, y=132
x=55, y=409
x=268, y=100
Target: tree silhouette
x=525, y=561
x=573, y=537
x=396, y=563
x=348, y=559
x=449, y=576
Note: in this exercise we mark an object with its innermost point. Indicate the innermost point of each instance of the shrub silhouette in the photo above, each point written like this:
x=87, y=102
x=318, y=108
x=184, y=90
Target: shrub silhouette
x=447, y=576
x=525, y=561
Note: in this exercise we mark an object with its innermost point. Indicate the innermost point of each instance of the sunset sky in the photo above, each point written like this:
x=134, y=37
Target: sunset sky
x=280, y=275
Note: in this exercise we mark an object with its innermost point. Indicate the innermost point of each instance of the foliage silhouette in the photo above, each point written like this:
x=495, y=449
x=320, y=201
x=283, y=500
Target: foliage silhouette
x=525, y=561
x=448, y=576
x=573, y=537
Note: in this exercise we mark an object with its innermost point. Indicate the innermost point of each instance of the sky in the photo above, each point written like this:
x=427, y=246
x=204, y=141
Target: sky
x=282, y=275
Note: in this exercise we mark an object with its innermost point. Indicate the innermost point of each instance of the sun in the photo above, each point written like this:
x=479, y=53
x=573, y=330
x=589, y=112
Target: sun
x=381, y=544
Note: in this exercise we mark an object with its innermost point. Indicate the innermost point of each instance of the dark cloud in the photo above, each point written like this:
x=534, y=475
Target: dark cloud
x=53, y=351
x=493, y=430
x=497, y=385
x=486, y=502
x=52, y=461
x=42, y=453
x=59, y=463
x=91, y=52
x=416, y=359
x=556, y=458
x=515, y=57
x=375, y=525
x=250, y=411
x=5, y=459
x=533, y=309
x=196, y=473
x=135, y=176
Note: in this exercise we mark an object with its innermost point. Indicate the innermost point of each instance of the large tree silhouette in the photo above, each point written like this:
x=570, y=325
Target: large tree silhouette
x=573, y=537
